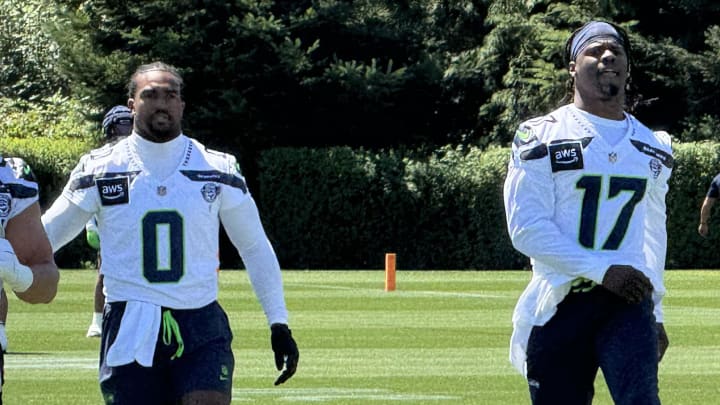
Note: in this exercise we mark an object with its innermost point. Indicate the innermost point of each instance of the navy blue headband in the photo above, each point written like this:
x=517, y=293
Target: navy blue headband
x=593, y=31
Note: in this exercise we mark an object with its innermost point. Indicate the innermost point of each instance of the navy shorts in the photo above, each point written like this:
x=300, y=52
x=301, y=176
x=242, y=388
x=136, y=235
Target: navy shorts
x=206, y=363
x=595, y=330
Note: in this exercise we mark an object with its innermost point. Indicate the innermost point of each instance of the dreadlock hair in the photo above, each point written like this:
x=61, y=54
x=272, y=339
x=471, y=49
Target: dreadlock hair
x=161, y=66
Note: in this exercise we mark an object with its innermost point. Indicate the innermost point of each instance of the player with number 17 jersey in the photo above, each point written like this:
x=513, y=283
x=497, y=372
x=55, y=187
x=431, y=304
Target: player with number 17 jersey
x=579, y=203
x=171, y=221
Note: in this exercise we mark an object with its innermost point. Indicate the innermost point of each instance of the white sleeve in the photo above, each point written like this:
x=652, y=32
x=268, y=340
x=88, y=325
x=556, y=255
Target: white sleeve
x=529, y=209
x=243, y=227
x=655, y=246
x=63, y=221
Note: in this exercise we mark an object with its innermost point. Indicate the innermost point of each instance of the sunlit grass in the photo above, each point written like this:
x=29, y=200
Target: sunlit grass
x=440, y=338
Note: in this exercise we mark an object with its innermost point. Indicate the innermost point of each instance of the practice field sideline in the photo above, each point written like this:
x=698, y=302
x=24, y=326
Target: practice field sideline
x=440, y=338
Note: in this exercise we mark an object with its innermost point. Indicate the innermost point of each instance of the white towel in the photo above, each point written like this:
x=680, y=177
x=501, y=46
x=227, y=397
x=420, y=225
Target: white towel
x=137, y=336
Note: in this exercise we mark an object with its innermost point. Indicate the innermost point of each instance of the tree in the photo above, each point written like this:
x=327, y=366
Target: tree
x=28, y=55
x=380, y=73
x=524, y=71
x=263, y=74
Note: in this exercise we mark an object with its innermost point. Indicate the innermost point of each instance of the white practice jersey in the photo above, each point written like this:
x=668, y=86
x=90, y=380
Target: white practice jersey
x=18, y=189
x=158, y=236
x=576, y=204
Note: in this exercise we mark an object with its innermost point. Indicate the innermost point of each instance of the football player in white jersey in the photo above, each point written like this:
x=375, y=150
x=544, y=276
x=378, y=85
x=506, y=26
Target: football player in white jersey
x=160, y=198
x=585, y=200
x=22, y=171
x=27, y=265
x=116, y=124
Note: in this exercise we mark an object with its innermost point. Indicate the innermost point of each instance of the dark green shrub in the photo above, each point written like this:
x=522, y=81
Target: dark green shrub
x=696, y=164
x=50, y=135
x=344, y=208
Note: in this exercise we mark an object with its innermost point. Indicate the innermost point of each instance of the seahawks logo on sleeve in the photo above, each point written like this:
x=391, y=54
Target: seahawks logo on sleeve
x=527, y=144
x=524, y=135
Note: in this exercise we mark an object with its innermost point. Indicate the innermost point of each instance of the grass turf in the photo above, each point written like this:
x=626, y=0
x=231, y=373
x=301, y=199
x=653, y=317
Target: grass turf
x=441, y=338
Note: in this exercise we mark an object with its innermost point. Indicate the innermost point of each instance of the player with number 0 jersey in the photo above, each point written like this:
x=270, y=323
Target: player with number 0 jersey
x=160, y=198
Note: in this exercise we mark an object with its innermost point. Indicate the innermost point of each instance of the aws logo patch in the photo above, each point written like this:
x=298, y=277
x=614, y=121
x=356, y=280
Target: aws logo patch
x=566, y=156
x=114, y=191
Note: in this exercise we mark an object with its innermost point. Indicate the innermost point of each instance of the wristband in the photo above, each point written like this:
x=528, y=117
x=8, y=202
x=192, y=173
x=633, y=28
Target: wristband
x=23, y=278
x=16, y=275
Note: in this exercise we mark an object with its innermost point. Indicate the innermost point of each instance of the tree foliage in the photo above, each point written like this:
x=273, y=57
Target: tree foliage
x=28, y=54
x=372, y=73
x=262, y=73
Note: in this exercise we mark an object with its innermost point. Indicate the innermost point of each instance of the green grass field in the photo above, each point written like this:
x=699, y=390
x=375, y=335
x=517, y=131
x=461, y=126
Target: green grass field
x=441, y=338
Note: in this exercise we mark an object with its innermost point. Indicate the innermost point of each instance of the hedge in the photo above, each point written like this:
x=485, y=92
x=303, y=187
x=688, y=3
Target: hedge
x=52, y=160
x=343, y=209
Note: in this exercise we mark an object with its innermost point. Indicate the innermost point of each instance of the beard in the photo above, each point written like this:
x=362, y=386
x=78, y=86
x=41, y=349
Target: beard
x=163, y=135
x=610, y=90
x=609, y=86
x=160, y=127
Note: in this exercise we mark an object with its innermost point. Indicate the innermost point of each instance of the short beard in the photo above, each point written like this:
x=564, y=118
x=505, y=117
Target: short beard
x=160, y=135
x=609, y=91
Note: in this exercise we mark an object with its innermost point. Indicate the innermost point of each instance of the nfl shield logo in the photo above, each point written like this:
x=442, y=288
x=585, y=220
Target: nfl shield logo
x=612, y=157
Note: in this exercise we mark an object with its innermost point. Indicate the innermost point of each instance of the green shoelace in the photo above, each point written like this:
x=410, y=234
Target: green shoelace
x=170, y=329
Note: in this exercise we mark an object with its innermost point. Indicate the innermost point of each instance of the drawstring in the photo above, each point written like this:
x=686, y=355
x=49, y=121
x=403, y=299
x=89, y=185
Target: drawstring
x=582, y=285
x=170, y=328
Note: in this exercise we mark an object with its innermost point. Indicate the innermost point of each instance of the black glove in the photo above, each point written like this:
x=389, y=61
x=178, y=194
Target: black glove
x=286, y=351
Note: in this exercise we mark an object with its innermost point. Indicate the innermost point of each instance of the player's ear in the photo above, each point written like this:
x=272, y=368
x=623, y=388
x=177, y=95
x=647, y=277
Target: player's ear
x=571, y=69
x=131, y=104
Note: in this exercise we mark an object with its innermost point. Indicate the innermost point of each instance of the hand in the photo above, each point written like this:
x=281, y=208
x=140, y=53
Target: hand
x=703, y=229
x=663, y=341
x=627, y=282
x=93, y=239
x=286, y=351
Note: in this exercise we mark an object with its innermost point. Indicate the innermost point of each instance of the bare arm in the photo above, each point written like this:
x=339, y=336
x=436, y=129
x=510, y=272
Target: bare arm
x=705, y=215
x=27, y=236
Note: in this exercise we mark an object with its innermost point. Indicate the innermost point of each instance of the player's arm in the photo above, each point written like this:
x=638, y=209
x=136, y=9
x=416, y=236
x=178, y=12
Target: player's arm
x=32, y=249
x=63, y=221
x=244, y=228
x=655, y=251
x=705, y=211
x=91, y=234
